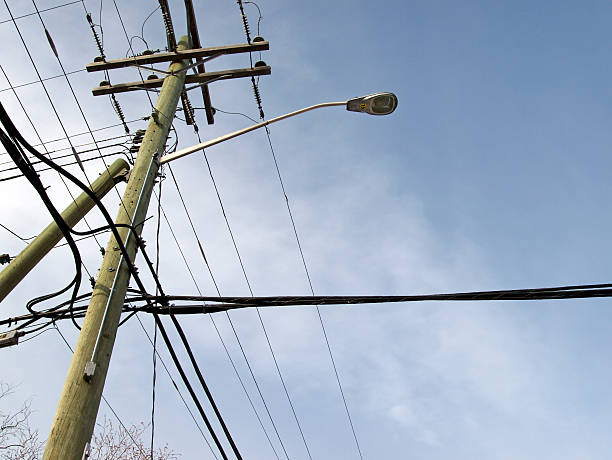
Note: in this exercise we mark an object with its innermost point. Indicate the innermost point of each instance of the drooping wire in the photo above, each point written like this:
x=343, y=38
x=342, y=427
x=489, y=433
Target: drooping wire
x=14, y=149
x=130, y=48
x=15, y=234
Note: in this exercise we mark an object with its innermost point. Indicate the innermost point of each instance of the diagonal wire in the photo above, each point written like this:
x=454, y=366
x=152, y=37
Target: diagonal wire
x=231, y=324
x=39, y=138
x=258, y=313
x=176, y=387
x=42, y=11
x=299, y=245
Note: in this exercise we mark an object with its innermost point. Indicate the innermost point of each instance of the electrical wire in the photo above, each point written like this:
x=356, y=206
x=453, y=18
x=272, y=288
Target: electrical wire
x=43, y=79
x=221, y=304
x=196, y=401
x=42, y=11
x=174, y=384
x=50, y=102
x=306, y=271
x=76, y=99
x=12, y=146
x=301, y=253
x=15, y=234
x=227, y=314
x=194, y=365
x=157, y=258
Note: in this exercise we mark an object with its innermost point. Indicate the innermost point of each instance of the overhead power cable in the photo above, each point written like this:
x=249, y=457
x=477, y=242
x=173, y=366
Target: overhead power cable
x=42, y=11
x=196, y=401
x=234, y=330
x=220, y=304
x=258, y=101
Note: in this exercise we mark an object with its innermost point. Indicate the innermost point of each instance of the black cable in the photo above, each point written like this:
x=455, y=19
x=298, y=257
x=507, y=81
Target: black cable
x=177, y=388
x=192, y=358
x=6, y=121
x=15, y=234
x=228, y=303
x=16, y=153
x=194, y=397
x=204, y=385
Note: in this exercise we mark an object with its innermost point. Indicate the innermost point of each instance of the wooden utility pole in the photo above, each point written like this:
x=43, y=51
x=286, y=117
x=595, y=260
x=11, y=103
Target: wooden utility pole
x=78, y=406
x=33, y=253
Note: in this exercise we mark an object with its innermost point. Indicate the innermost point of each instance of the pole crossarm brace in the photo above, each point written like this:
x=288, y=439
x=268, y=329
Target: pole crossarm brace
x=197, y=78
x=177, y=56
x=194, y=37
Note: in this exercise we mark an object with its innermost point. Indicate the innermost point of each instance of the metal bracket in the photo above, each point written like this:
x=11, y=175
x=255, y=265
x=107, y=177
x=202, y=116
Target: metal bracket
x=9, y=338
x=90, y=369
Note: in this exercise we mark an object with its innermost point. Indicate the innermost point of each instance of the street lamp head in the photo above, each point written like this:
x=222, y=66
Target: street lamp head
x=374, y=104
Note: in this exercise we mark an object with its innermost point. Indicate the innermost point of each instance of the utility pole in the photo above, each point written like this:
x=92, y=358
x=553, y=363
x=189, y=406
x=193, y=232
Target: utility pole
x=33, y=253
x=78, y=406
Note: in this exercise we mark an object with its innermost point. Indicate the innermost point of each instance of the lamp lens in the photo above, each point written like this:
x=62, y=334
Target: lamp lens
x=382, y=104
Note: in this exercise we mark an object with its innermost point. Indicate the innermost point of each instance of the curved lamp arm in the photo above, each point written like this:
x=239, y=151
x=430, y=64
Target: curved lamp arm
x=373, y=104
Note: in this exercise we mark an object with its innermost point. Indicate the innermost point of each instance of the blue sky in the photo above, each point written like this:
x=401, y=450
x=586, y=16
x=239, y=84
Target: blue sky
x=491, y=174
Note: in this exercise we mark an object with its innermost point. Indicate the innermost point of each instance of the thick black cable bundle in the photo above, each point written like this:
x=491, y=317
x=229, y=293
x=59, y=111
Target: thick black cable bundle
x=13, y=145
x=19, y=143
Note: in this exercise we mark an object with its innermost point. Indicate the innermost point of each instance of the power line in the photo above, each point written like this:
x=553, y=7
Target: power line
x=306, y=271
x=52, y=106
x=219, y=304
x=123, y=136
x=262, y=116
x=188, y=385
x=42, y=11
x=195, y=366
x=176, y=386
x=15, y=234
x=212, y=320
x=230, y=320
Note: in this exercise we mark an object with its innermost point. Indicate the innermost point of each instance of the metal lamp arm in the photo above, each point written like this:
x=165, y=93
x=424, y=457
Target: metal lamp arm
x=194, y=148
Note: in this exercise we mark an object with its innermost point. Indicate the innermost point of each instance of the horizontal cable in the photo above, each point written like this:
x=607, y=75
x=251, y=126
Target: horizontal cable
x=229, y=303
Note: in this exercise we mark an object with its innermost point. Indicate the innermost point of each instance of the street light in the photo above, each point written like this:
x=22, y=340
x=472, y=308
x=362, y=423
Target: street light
x=372, y=104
